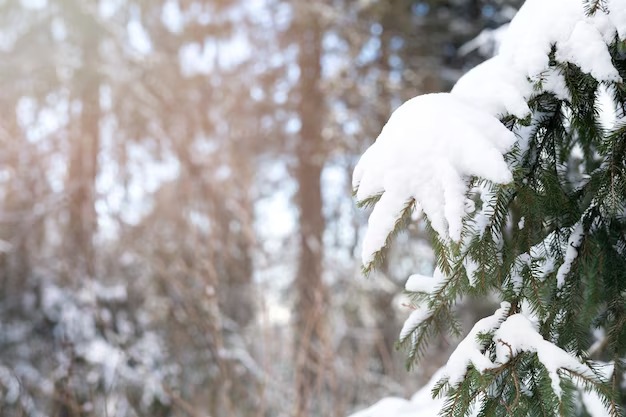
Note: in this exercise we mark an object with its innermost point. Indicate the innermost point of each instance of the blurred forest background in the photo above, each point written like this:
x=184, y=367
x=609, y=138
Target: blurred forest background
x=177, y=231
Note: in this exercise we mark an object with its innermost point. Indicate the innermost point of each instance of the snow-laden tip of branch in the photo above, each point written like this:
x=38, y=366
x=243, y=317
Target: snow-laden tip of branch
x=469, y=351
x=517, y=334
x=587, y=49
x=427, y=151
x=417, y=317
x=424, y=283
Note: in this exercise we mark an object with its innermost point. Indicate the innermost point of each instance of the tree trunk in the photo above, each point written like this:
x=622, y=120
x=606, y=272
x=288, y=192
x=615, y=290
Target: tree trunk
x=83, y=163
x=84, y=136
x=312, y=350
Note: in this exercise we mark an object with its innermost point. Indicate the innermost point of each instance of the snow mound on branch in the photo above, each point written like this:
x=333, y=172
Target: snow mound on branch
x=586, y=48
x=469, y=351
x=517, y=334
x=536, y=27
x=579, y=39
x=494, y=88
x=426, y=152
x=421, y=161
x=617, y=16
x=503, y=84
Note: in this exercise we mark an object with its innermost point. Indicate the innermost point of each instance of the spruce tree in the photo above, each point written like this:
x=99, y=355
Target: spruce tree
x=519, y=174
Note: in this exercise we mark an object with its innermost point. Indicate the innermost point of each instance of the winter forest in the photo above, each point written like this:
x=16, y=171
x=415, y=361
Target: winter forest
x=324, y=208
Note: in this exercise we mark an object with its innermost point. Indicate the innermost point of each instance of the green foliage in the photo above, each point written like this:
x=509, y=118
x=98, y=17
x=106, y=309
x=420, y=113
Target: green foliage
x=592, y=6
x=570, y=175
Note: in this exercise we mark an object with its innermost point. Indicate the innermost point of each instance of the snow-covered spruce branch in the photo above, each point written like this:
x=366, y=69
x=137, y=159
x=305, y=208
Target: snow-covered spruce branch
x=514, y=338
x=521, y=179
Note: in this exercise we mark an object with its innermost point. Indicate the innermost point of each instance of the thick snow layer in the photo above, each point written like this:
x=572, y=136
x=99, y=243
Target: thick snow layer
x=433, y=143
x=586, y=48
x=469, y=351
x=579, y=39
x=503, y=84
x=617, y=16
x=494, y=88
x=512, y=336
x=518, y=334
x=536, y=27
x=427, y=151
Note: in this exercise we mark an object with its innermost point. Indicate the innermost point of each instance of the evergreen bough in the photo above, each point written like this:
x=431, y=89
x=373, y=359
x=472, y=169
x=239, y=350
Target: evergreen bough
x=551, y=244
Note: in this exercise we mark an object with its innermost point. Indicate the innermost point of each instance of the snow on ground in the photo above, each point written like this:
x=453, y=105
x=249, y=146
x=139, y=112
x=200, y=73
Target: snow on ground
x=421, y=404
